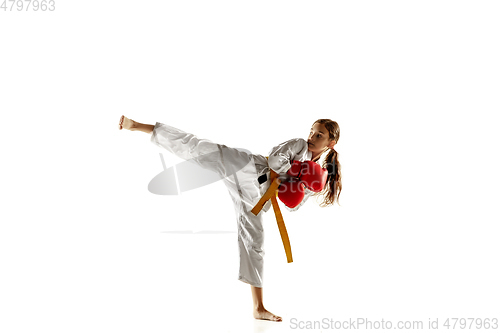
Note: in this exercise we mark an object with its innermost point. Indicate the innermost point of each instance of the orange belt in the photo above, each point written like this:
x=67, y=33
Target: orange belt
x=271, y=194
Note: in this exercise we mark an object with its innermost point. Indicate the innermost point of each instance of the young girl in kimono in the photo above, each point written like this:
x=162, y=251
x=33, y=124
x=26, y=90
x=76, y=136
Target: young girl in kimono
x=247, y=177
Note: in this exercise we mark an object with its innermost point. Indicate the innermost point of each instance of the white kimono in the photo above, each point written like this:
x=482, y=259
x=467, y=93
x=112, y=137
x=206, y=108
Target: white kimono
x=240, y=172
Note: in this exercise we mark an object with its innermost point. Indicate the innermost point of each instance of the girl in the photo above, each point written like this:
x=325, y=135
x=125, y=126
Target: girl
x=247, y=177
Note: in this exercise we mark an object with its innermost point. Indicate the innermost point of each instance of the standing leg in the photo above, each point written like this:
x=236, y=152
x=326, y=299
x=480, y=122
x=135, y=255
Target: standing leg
x=259, y=312
x=244, y=191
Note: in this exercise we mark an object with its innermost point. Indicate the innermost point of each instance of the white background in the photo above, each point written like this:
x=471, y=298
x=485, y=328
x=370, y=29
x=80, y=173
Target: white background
x=414, y=86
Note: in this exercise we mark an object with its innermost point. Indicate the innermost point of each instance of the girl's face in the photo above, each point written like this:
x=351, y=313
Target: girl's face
x=319, y=139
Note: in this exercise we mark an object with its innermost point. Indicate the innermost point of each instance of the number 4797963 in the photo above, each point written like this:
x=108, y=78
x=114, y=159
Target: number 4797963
x=28, y=5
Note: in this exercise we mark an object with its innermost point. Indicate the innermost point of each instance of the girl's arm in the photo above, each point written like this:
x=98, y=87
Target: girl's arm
x=280, y=157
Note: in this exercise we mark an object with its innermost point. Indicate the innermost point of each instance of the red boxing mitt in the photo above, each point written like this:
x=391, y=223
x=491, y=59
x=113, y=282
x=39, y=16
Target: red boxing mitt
x=310, y=173
x=291, y=193
x=313, y=176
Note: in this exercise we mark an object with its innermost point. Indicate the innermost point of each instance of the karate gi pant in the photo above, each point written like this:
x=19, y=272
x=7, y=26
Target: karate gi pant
x=238, y=172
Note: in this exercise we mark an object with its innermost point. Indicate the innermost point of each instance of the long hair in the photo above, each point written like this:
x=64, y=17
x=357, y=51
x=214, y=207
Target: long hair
x=333, y=186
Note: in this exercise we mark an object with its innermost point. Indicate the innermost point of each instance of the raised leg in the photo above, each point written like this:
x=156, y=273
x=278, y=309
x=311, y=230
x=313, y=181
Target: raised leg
x=131, y=125
x=240, y=178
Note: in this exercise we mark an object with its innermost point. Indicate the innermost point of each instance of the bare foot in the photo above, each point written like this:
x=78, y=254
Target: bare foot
x=265, y=315
x=126, y=123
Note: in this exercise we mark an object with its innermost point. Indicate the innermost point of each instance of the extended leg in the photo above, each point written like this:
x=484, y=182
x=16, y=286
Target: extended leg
x=240, y=177
x=131, y=125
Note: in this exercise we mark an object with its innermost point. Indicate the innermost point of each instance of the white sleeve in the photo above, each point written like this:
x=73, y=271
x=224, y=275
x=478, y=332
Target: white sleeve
x=281, y=155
